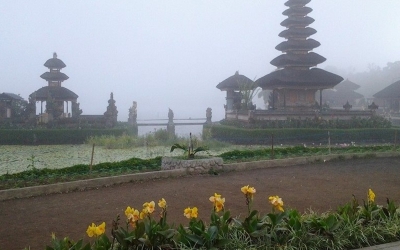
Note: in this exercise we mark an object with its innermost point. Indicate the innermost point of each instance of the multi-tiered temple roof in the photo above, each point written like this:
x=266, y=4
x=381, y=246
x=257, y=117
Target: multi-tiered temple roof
x=54, y=78
x=296, y=66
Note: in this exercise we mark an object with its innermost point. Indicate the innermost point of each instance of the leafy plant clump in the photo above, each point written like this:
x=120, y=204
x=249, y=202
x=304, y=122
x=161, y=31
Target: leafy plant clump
x=353, y=225
x=189, y=151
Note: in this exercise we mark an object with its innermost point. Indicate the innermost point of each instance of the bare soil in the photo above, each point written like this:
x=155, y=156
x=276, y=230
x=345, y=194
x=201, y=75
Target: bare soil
x=320, y=187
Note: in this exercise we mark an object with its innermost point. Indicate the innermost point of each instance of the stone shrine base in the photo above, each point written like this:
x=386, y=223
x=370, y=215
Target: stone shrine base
x=193, y=166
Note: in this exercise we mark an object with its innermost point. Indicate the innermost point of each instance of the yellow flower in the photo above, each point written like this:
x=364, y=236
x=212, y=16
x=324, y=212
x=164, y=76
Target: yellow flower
x=276, y=202
x=216, y=196
x=187, y=212
x=218, y=202
x=149, y=207
x=190, y=212
x=143, y=214
x=371, y=195
x=248, y=191
x=94, y=230
x=91, y=230
x=53, y=236
x=132, y=215
x=101, y=229
x=162, y=203
x=129, y=211
x=194, y=212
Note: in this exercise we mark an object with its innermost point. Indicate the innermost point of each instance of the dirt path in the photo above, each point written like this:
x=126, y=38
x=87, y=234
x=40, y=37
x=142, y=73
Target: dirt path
x=323, y=186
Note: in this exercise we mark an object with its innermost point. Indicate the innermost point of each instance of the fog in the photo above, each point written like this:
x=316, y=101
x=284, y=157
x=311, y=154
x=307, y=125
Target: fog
x=172, y=54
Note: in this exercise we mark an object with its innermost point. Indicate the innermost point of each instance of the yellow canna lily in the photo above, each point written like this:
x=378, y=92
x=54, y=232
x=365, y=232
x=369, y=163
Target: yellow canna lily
x=277, y=202
x=148, y=207
x=216, y=196
x=143, y=214
x=194, y=212
x=101, y=229
x=190, y=212
x=129, y=211
x=187, y=212
x=162, y=203
x=219, y=205
x=91, y=230
x=248, y=191
x=371, y=195
x=132, y=216
x=94, y=230
x=218, y=202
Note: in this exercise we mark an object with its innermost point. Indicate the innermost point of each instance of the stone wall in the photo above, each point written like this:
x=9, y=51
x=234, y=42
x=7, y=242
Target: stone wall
x=194, y=166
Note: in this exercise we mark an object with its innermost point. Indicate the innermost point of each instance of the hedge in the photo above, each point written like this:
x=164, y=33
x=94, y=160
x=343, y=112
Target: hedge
x=245, y=136
x=52, y=136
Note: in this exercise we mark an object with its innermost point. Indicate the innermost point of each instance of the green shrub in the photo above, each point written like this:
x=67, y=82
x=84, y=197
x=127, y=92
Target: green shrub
x=52, y=136
x=245, y=136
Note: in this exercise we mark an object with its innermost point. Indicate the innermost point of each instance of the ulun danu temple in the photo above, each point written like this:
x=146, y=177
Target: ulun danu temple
x=297, y=83
x=59, y=106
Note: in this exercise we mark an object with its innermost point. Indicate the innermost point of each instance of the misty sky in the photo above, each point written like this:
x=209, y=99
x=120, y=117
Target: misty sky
x=172, y=54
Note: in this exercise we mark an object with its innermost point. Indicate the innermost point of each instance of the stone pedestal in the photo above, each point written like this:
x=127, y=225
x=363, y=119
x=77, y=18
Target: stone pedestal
x=194, y=166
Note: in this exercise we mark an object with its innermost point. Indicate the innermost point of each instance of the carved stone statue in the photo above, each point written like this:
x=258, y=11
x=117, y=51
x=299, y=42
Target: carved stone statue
x=170, y=115
x=208, y=115
x=171, y=125
x=132, y=114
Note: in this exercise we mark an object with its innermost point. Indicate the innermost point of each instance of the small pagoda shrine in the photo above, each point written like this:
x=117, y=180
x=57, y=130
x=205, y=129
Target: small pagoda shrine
x=296, y=80
x=57, y=98
x=342, y=93
x=233, y=86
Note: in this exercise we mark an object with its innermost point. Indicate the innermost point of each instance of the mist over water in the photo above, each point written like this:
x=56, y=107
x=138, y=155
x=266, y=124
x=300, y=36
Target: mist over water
x=181, y=131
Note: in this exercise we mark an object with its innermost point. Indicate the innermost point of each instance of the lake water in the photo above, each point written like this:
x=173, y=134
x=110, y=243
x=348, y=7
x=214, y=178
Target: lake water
x=182, y=131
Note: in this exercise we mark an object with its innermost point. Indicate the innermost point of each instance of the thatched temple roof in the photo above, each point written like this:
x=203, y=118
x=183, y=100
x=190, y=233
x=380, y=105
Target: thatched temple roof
x=54, y=76
x=310, y=59
x=390, y=92
x=54, y=63
x=235, y=82
x=289, y=78
x=56, y=92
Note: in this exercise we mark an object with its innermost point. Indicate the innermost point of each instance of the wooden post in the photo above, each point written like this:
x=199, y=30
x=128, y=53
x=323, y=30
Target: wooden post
x=91, y=159
x=329, y=142
x=272, y=147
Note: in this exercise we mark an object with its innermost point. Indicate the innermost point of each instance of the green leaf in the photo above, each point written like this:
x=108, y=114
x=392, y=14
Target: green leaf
x=226, y=216
x=258, y=233
x=169, y=233
x=140, y=230
x=176, y=145
x=197, y=240
x=212, y=233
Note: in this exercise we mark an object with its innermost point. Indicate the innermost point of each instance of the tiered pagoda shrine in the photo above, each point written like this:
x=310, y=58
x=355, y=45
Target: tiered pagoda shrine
x=57, y=98
x=296, y=80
